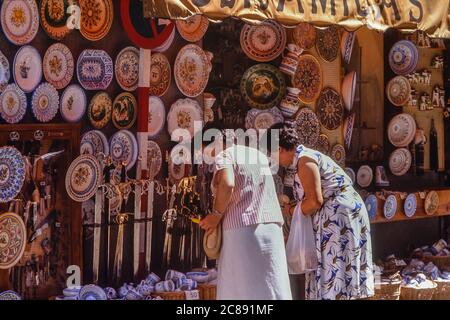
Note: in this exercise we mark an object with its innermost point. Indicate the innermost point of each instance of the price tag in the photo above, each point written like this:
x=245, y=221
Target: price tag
x=192, y=295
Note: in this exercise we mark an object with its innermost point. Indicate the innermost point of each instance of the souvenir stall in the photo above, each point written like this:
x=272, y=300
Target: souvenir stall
x=98, y=199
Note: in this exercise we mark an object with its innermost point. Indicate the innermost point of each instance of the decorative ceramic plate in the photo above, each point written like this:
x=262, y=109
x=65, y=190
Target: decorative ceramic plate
x=410, y=205
x=54, y=18
x=10, y=296
x=124, y=111
x=398, y=91
x=100, y=110
x=91, y=291
x=304, y=35
x=371, y=205
x=400, y=161
x=308, y=78
x=156, y=116
x=73, y=103
x=27, y=68
x=83, y=178
x=20, y=20
x=45, y=102
x=348, y=129
x=94, y=142
x=13, y=238
x=263, y=86
x=351, y=174
x=191, y=70
x=58, y=65
x=179, y=161
x=160, y=75
x=347, y=42
x=338, y=154
x=349, y=90
x=431, y=203
x=330, y=109
x=390, y=207
x=95, y=69
x=403, y=57
x=96, y=18
x=13, y=104
x=364, y=176
x=193, y=28
x=263, y=119
x=5, y=72
x=154, y=159
x=263, y=42
x=328, y=43
x=12, y=173
x=401, y=130
x=182, y=115
x=308, y=127
x=323, y=144
x=124, y=148
x=127, y=68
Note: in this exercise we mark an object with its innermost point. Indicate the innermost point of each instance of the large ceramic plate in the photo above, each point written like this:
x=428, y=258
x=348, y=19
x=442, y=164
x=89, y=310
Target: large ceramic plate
x=349, y=90
x=403, y=57
x=328, y=43
x=73, y=103
x=263, y=119
x=431, y=203
x=13, y=104
x=390, y=207
x=58, y=65
x=27, y=68
x=54, y=18
x=156, y=116
x=323, y=144
x=160, y=75
x=83, y=178
x=45, y=102
x=263, y=86
x=127, y=68
x=96, y=18
x=364, y=176
x=398, y=91
x=263, y=42
x=12, y=173
x=338, y=154
x=94, y=142
x=154, y=159
x=308, y=78
x=304, y=35
x=308, y=127
x=95, y=69
x=400, y=161
x=20, y=20
x=330, y=109
x=100, y=109
x=13, y=238
x=182, y=115
x=372, y=205
x=401, y=130
x=124, y=148
x=124, y=111
x=5, y=71
x=92, y=292
x=193, y=28
x=410, y=205
x=191, y=70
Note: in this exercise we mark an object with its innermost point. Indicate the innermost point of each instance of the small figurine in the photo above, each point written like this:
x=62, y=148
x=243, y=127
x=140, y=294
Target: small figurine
x=426, y=74
x=438, y=62
x=442, y=97
x=424, y=102
x=423, y=40
x=436, y=97
x=413, y=98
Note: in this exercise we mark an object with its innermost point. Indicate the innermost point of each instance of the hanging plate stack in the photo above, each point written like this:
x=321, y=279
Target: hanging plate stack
x=124, y=111
x=127, y=68
x=95, y=69
x=94, y=143
x=328, y=43
x=27, y=68
x=124, y=148
x=403, y=57
x=12, y=173
x=330, y=109
x=398, y=91
x=156, y=116
x=58, y=65
x=308, y=78
x=401, y=130
x=55, y=16
x=304, y=35
x=45, y=102
x=308, y=127
x=400, y=161
x=5, y=71
x=96, y=18
x=193, y=28
x=182, y=115
x=160, y=75
x=20, y=20
x=13, y=104
x=263, y=119
x=100, y=108
x=73, y=103
x=154, y=159
x=13, y=238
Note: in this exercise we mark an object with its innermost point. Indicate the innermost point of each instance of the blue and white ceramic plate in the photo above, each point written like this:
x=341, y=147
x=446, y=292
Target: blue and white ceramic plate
x=403, y=57
x=45, y=102
x=94, y=142
x=390, y=207
x=410, y=205
x=371, y=205
x=13, y=104
x=73, y=103
x=263, y=119
x=83, y=178
x=12, y=173
x=124, y=148
x=95, y=69
x=27, y=68
x=92, y=292
x=9, y=295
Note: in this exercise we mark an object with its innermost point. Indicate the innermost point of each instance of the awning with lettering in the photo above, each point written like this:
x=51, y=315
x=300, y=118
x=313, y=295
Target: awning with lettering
x=431, y=16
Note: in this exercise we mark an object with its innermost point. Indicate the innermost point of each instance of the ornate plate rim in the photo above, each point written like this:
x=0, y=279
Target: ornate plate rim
x=24, y=242
x=106, y=28
x=36, y=53
x=34, y=27
x=135, y=106
x=23, y=99
x=126, y=49
x=98, y=179
x=70, y=66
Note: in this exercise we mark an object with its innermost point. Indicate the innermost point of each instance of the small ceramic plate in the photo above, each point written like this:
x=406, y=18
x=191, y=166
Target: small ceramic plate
x=124, y=111
x=364, y=176
x=160, y=75
x=193, y=28
x=12, y=169
x=308, y=78
x=73, y=103
x=27, y=68
x=330, y=109
x=328, y=43
x=179, y=163
x=20, y=20
x=182, y=115
x=92, y=292
x=398, y=91
x=390, y=207
x=338, y=154
x=13, y=234
x=10, y=296
x=95, y=69
x=54, y=18
x=304, y=35
x=83, y=178
x=154, y=159
x=351, y=174
x=410, y=205
x=127, y=68
x=156, y=116
x=94, y=142
x=13, y=104
x=5, y=72
x=400, y=161
x=372, y=206
x=100, y=110
x=431, y=203
x=45, y=102
x=123, y=147
x=402, y=130
x=96, y=18
x=58, y=65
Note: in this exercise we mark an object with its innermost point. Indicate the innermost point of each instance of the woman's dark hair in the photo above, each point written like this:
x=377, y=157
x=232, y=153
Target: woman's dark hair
x=287, y=135
x=211, y=129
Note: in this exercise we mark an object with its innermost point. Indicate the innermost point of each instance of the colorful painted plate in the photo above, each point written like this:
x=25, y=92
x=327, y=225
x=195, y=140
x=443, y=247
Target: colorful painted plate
x=403, y=57
x=94, y=142
x=58, y=65
x=431, y=203
x=156, y=116
x=338, y=154
x=348, y=129
x=54, y=18
x=304, y=35
x=154, y=159
x=401, y=130
x=330, y=109
x=100, y=109
x=191, y=70
x=73, y=103
x=323, y=144
x=45, y=102
x=27, y=68
x=390, y=207
x=347, y=43
x=124, y=111
x=263, y=86
x=308, y=78
x=193, y=28
x=124, y=148
x=92, y=292
x=400, y=161
x=328, y=43
x=308, y=127
x=351, y=174
x=372, y=206
x=95, y=69
x=13, y=104
x=127, y=68
x=10, y=296
x=263, y=119
x=12, y=173
x=349, y=90
x=364, y=176
x=5, y=72
x=263, y=42
x=20, y=20
x=398, y=91
x=83, y=178
x=182, y=115
x=410, y=205
x=160, y=75
x=13, y=238
x=96, y=18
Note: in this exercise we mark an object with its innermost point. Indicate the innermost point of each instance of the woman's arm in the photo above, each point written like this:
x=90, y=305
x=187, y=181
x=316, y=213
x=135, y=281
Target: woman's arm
x=309, y=175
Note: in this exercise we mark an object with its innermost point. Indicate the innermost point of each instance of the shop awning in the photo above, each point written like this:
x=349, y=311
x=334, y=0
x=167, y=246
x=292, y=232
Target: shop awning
x=431, y=16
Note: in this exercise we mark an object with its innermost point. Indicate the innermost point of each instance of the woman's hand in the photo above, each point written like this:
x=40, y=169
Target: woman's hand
x=210, y=223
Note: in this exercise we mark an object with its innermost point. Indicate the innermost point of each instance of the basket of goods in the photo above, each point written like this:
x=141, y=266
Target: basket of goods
x=387, y=286
x=438, y=253
x=206, y=280
x=417, y=287
x=443, y=286
x=208, y=291
x=391, y=265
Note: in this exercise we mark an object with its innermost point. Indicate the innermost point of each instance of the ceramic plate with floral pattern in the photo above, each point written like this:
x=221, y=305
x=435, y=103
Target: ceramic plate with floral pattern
x=398, y=91
x=12, y=173
x=13, y=238
x=330, y=109
x=94, y=142
x=83, y=178
x=328, y=43
x=27, y=68
x=20, y=20
x=431, y=203
x=160, y=75
x=338, y=154
x=73, y=103
x=58, y=65
x=308, y=127
x=100, y=108
x=403, y=57
x=124, y=111
x=193, y=28
x=390, y=207
x=13, y=104
x=182, y=115
x=95, y=69
x=96, y=18
x=127, y=68
x=55, y=15
x=308, y=78
x=45, y=102
x=123, y=148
